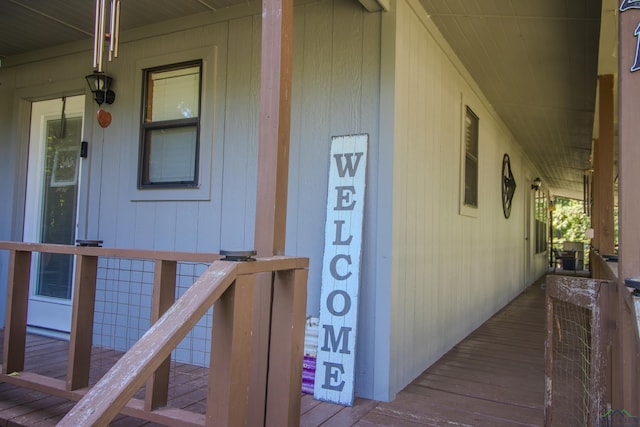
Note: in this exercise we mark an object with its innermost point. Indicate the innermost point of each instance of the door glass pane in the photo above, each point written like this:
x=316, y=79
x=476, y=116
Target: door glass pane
x=62, y=154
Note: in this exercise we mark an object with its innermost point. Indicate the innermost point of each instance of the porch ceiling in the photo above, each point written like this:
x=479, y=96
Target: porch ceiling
x=27, y=25
x=536, y=61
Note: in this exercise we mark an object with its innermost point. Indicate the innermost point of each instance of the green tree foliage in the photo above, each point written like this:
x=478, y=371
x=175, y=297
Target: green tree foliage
x=569, y=222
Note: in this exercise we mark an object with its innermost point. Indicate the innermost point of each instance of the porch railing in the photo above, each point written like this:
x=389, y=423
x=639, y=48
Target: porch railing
x=227, y=286
x=592, y=349
x=577, y=346
x=624, y=371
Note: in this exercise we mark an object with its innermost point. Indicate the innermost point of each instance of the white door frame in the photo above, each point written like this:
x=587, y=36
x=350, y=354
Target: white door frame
x=50, y=314
x=527, y=233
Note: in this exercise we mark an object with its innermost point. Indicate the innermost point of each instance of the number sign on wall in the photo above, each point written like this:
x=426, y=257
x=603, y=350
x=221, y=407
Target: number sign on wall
x=624, y=6
x=341, y=270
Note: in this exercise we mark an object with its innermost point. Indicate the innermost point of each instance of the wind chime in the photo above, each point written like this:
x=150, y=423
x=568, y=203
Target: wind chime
x=105, y=39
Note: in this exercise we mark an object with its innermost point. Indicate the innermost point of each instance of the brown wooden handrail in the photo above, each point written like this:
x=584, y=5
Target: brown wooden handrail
x=110, y=252
x=600, y=268
x=227, y=285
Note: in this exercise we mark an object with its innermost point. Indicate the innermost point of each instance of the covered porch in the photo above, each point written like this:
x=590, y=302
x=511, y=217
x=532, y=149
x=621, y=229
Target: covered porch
x=494, y=377
x=497, y=374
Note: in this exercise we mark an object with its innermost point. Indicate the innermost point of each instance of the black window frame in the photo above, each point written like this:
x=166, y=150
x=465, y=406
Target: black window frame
x=541, y=216
x=146, y=128
x=471, y=159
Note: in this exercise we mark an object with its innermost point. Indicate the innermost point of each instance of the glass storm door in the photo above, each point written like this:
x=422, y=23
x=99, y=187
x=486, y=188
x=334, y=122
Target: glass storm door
x=51, y=207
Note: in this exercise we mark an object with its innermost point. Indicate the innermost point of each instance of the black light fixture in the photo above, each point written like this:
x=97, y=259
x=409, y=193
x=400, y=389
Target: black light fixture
x=100, y=85
x=536, y=184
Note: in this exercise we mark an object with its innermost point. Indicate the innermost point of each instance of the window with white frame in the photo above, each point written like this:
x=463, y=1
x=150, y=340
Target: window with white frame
x=170, y=128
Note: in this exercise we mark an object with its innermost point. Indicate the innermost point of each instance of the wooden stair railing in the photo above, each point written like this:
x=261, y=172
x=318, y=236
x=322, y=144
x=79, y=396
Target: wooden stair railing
x=226, y=285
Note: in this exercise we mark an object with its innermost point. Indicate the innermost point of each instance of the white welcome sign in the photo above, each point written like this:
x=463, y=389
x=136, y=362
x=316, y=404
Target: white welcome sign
x=335, y=363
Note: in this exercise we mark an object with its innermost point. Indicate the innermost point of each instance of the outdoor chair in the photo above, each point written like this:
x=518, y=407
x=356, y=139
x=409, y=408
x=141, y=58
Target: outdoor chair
x=566, y=258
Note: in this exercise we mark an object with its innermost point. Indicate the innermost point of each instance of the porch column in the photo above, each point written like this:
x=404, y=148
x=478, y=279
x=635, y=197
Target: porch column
x=595, y=211
x=273, y=174
x=602, y=217
x=628, y=193
x=275, y=127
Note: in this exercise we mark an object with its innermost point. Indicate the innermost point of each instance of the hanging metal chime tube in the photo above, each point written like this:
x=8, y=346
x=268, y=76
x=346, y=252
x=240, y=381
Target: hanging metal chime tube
x=101, y=34
x=114, y=30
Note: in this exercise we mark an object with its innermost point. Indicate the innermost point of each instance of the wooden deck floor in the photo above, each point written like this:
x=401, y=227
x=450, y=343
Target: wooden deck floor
x=495, y=377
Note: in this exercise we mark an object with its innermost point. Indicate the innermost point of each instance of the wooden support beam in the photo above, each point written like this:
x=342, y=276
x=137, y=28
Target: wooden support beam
x=164, y=295
x=603, y=169
x=81, y=337
x=274, y=127
x=628, y=200
x=260, y=348
x=602, y=330
x=228, y=391
x=15, y=333
x=628, y=147
x=273, y=175
x=628, y=355
x=287, y=348
x=596, y=213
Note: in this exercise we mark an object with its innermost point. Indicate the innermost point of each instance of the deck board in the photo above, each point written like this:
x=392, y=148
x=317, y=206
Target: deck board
x=495, y=377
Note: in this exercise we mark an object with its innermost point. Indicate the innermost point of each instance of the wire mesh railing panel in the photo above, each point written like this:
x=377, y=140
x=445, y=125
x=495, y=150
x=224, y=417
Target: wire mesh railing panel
x=124, y=289
x=194, y=348
x=579, y=338
x=123, y=305
x=190, y=359
x=571, y=364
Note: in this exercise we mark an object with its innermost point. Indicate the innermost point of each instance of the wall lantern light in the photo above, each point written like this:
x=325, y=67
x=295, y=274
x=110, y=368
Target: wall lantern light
x=100, y=85
x=536, y=184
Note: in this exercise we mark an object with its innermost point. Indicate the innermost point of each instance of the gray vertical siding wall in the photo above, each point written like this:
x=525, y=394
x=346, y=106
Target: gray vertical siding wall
x=335, y=92
x=336, y=86
x=449, y=272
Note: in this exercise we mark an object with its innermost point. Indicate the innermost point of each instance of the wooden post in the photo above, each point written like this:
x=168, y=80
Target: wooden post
x=287, y=348
x=627, y=355
x=629, y=202
x=15, y=332
x=275, y=127
x=273, y=174
x=608, y=304
x=596, y=213
x=603, y=182
x=164, y=295
x=228, y=391
x=601, y=329
x=81, y=337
